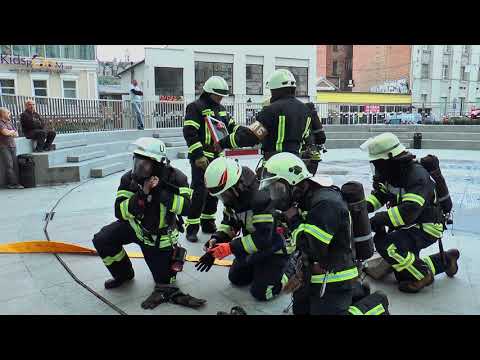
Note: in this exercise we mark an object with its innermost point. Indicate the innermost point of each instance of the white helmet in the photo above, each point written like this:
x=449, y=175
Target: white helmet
x=216, y=85
x=284, y=166
x=151, y=148
x=384, y=146
x=281, y=78
x=221, y=174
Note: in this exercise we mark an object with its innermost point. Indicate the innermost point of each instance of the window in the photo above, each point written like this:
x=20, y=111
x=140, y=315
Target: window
x=462, y=105
x=168, y=81
x=425, y=71
x=38, y=50
x=466, y=49
x=424, y=99
x=40, y=88
x=21, y=50
x=445, y=72
x=254, y=79
x=447, y=49
x=334, y=68
x=335, y=47
x=203, y=70
x=70, y=51
x=70, y=89
x=444, y=104
x=87, y=52
x=301, y=76
x=6, y=49
x=477, y=101
x=7, y=86
x=463, y=74
x=53, y=51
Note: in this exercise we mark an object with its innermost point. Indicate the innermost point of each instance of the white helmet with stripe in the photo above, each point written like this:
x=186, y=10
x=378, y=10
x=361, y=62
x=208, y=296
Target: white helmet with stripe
x=222, y=174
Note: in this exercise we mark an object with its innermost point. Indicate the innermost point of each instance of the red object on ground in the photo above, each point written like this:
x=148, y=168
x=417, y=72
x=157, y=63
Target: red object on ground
x=238, y=152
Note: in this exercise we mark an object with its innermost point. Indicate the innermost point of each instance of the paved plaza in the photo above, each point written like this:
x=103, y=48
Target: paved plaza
x=38, y=284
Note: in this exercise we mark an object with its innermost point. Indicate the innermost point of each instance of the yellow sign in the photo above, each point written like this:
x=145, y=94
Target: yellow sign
x=363, y=98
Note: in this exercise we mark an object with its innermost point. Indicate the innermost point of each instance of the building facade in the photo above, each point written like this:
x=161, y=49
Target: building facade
x=63, y=71
x=179, y=71
x=381, y=68
x=445, y=78
x=334, y=63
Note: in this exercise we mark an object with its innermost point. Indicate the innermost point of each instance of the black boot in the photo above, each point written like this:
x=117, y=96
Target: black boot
x=417, y=285
x=114, y=283
x=192, y=231
x=452, y=256
x=209, y=227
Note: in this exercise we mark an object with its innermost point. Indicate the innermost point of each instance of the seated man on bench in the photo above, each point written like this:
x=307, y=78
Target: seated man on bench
x=33, y=127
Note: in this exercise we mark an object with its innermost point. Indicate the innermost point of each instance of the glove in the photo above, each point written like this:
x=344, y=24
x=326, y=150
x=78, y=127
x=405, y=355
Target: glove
x=210, y=244
x=221, y=250
x=180, y=298
x=205, y=263
x=160, y=295
x=378, y=221
x=201, y=162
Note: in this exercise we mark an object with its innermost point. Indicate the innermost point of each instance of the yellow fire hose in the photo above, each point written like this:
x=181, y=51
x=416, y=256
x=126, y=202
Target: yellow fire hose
x=53, y=247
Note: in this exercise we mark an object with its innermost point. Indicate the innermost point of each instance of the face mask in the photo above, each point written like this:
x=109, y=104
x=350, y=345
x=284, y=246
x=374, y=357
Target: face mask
x=142, y=169
x=281, y=195
x=229, y=198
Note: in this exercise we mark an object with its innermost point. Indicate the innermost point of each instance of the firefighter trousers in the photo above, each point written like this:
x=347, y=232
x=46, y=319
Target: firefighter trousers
x=203, y=207
x=109, y=243
x=401, y=248
x=264, y=276
x=337, y=300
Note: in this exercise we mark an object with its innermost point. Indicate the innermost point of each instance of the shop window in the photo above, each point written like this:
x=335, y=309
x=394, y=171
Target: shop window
x=21, y=50
x=168, y=81
x=334, y=68
x=7, y=87
x=38, y=50
x=445, y=72
x=53, y=51
x=301, y=76
x=425, y=71
x=70, y=51
x=86, y=52
x=40, y=88
x=203, y=70
x=254, y=78
x=463, y=74
x=6, y=49
x=70, y=89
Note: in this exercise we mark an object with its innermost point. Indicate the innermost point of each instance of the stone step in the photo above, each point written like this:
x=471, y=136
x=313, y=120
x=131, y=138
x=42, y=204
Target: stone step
x=362, y=135
x=174, y=143
x=183, y=154
x=86, y=156
x=103, y=171
x=70, y=144
x=451, y=144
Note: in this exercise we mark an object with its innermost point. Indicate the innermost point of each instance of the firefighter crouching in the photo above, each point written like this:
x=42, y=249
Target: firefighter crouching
x=149, y=199
x=414, y=215
x=324, y=274
x=281, y=126
x=201, y=151
x=261, y=252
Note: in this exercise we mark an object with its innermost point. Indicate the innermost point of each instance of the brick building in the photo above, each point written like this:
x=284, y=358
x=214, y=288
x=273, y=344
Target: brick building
x=334, y=63
x=381, y=68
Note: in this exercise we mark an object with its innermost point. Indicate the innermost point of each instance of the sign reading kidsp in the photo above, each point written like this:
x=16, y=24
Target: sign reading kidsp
x=35, y=63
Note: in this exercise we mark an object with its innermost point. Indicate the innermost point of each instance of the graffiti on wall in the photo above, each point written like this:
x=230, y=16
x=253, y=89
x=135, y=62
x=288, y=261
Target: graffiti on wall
x=399, y=86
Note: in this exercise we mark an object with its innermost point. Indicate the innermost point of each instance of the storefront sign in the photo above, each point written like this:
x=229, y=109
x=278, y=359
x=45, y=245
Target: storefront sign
x=372, y=108
x=171, y=98
x=34, y=63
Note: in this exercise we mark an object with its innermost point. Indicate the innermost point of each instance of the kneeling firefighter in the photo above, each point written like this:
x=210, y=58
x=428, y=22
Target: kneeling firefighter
x=261, y=254
x=149, y=199
x=414, y=216
x=324, y=277
x=313, y=145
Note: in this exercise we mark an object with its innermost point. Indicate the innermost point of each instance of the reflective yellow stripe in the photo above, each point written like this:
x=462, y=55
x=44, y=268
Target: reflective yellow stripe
x=404, y=263
x=232, y=140
x=222, y=113
x=318, y=233
x=192, y=123
x=126, y=215
x=109, y=260
x=297, y=231
x=429, y=262
x=168, y=240
x=335, y=277
x=395, y=217
x=372, y=199
x=305, y=132
x=248, y=244
x=284, y=279
x=235, y=128
x=177, y=204
x=377, y=310
x=354, y=310
x=280, y=133
x=125, y=193
x=262, y=218
x=208, y=216
x=208, y=112
x=194, y=147
x=163, y=212
x=225, y=228
x=186, y=191
x=192, y=221
x=436, y=230
x=414, y=198
x=232, y=121
x=209, y=154
x=269, y=293
x=208, y=136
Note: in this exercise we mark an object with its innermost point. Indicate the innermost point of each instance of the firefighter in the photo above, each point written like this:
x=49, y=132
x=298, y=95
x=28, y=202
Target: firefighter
x=414, y=216
x=313, y=145
x=261, y=253
x=325, y=275
x=201, y=151
x=149, y=199
x=282, y=125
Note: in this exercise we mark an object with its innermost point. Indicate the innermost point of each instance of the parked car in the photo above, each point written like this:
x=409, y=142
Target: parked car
x=474, y=114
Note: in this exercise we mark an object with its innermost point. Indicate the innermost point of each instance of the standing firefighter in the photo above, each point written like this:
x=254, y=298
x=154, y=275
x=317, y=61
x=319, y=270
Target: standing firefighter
x=281, y=126
x=201, y=151
x=261, y=253
x=414, y=215
x=149, y=199
x=325, y=275
x=313, y=145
